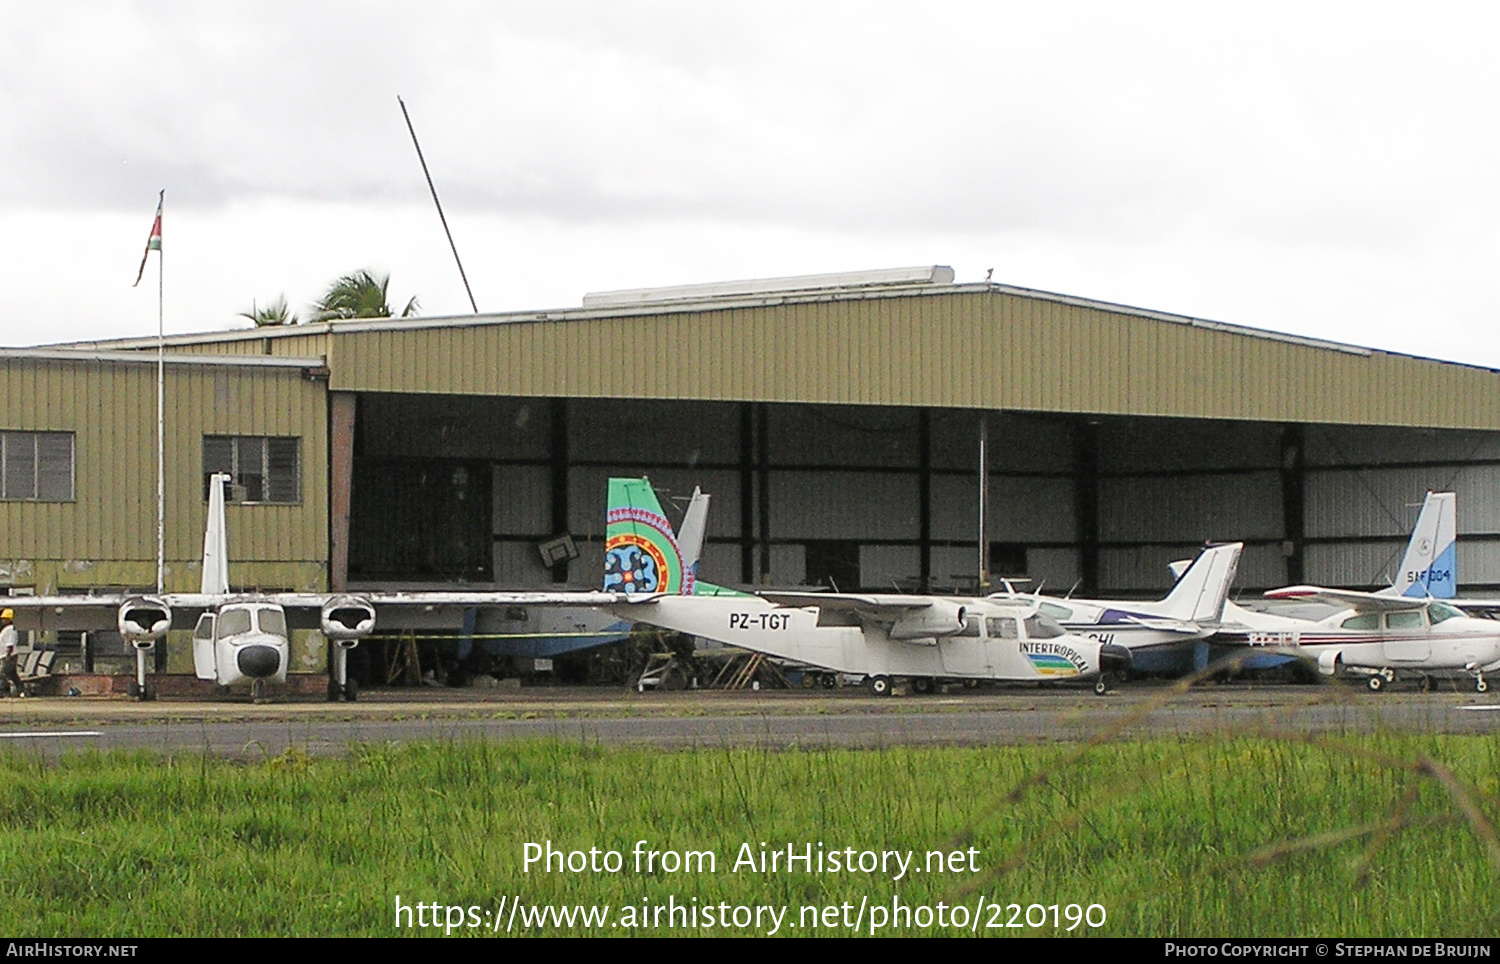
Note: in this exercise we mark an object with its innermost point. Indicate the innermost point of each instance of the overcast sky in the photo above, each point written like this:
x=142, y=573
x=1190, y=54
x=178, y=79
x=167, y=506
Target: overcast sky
x=1324, y=169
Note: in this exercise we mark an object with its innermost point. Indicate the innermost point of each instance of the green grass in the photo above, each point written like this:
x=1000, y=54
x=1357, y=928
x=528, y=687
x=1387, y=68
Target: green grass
x=1359, y=836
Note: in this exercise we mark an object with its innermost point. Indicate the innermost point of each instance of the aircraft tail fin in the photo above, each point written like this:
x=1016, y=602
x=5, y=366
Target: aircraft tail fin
x=641, y=552
x=1204, y=585
x=1428, y=568
x=694, y=529
x=215, y=575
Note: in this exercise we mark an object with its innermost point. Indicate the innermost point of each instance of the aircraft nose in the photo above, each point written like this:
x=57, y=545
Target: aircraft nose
x=258, y=661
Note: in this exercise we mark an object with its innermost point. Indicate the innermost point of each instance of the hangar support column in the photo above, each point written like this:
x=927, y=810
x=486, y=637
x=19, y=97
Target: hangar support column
x=1293, y=487
x=924, y=500
x=1086, y=501
x=559, y=456
x=342, y=408
x=747, y=493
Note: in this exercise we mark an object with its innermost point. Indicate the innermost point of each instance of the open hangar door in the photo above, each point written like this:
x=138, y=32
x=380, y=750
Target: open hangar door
x=466, y=489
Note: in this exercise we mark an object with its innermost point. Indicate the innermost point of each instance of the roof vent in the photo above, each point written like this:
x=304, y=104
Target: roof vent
x=852, y=281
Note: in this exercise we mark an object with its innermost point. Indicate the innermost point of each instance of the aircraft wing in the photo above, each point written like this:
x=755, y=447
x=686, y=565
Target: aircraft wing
x=65, y=613
x=890, y=604
x=1368, y=602
x=393, y=609
x=1184, y=626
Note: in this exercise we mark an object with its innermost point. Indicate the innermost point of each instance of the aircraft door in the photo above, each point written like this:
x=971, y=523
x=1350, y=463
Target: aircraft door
x=964, y=653
x=203, y=647
x=1405, y=637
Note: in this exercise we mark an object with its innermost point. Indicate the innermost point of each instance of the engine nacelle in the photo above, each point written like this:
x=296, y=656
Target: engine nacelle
x=942, y=618
x=1330, y=661
x=143, y=620
x=347, y=619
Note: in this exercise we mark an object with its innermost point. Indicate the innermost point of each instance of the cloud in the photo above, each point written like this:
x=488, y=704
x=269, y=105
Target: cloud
x=1267, y=164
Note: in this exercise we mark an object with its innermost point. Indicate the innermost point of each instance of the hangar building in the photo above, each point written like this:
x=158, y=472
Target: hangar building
x=837, y=420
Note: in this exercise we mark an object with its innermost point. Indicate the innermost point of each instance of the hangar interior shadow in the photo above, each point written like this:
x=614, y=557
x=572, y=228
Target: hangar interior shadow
x=452, y=490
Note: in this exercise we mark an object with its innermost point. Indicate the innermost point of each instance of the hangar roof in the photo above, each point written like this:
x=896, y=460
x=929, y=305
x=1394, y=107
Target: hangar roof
x=883, y=338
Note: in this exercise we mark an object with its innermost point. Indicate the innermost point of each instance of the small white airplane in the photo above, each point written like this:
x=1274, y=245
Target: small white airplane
x=1404, y=630
x=1160, y=636
x=883, y=637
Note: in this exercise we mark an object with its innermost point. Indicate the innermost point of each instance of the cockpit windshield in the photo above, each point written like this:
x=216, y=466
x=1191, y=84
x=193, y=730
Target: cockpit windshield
x=271, y=621
x=232, y=622
x=1439, y=611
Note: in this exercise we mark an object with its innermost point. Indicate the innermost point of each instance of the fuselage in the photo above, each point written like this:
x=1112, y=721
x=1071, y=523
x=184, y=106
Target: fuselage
x=241, y=642
x=1434, y=637
x=1152, y=650
x=998, y=640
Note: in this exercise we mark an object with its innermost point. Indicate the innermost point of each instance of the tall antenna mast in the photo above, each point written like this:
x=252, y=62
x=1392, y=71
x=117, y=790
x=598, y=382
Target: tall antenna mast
x=439, y=204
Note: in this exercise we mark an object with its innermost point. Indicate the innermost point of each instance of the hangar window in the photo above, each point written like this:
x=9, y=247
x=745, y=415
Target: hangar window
x=262, y=468
x=36, y=466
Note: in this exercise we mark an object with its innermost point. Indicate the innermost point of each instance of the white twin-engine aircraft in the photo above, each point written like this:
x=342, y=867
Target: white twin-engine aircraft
x=1405, y=630
x=1161, y=635
x=925, y=639
x=241, y=639
x=883, y=637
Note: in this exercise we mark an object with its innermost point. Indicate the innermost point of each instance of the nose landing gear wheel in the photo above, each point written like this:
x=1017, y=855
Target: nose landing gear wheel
x=1376, y=684
x=258, y=691
x=1480, y=686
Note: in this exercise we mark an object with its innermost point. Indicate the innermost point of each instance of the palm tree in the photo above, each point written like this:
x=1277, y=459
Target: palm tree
x=358, y=295
x=274, y=313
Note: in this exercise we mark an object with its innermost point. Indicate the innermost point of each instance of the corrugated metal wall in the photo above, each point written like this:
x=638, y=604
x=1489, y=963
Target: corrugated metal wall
x=111, y=525
x=1365, y=486
x=965, y=348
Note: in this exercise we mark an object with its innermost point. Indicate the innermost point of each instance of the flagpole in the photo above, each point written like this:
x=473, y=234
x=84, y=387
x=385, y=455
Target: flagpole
x=160, y=416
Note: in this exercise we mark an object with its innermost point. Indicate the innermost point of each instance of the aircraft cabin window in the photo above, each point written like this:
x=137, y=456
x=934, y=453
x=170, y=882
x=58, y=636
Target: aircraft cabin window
x=271, y=621
x=1411, y=620
x=261, y=468
x=1043, y=627
x=36, y=466
x=971, y=627
x=999, y=627
x=232, y=622
x=1362, y=621
x=1056, y=612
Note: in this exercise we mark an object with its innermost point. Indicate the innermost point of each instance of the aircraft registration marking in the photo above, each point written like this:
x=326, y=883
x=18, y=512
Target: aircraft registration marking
x=776, y=621
x=1273, y=639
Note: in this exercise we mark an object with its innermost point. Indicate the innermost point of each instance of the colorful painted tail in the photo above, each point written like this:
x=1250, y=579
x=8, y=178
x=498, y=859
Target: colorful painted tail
x=641, y=552
x=1429, y=569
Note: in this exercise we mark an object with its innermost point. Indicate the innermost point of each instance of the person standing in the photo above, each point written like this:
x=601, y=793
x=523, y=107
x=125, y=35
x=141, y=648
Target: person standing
x=8, y=651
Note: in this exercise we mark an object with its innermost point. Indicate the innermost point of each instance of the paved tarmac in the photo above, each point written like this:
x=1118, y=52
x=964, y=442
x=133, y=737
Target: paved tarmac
x=53, y=726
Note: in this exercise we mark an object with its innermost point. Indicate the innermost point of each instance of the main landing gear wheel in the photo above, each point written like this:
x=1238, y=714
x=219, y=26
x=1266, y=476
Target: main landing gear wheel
x=1376, y=683
x=1425, y=684
x=923, y=685
x=349, y=693
x=880, y=685
x=1104, y=684
x=830, y=681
